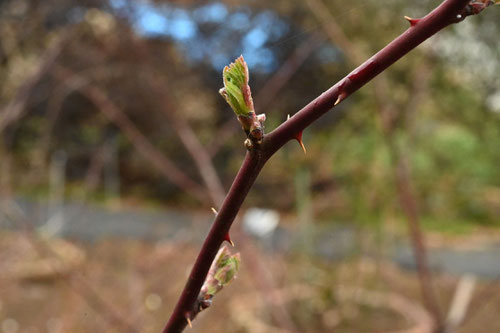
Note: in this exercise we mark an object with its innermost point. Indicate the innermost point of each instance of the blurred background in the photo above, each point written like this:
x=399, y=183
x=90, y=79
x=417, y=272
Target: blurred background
x=115, y=144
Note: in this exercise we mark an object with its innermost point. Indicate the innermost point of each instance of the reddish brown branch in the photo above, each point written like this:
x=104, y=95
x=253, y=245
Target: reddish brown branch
x=15, y=108
x=143, y=145
x=198, y=152
x=244, y=180
x=410, y=208
x=450, y=11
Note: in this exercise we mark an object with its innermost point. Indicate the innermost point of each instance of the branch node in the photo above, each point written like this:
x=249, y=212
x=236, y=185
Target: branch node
x=475, y=7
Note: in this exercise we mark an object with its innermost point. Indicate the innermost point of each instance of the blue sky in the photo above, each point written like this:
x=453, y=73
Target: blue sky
x=215, y=34
x=254, y=31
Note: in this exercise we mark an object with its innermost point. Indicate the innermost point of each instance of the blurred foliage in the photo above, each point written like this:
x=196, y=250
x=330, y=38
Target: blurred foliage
x=451, y=134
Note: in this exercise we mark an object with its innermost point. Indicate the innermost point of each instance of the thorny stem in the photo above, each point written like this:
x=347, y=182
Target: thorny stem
x=186, y=307
x=449, y=12
x=270, y=89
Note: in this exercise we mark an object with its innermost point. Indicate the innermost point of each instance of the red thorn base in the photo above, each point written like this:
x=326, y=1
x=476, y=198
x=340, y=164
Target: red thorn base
x=412, y=21
x=228, y=239
x=298, y=137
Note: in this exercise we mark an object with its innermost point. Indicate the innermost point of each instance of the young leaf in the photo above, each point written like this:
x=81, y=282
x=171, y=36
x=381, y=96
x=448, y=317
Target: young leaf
x=223, y=270
x=236, y=90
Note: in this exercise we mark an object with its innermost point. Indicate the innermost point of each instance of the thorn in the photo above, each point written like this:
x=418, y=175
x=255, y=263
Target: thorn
x=303, y=147
x=189, y=322
x=340, y=98
x=228, y=239
x=412, y=21
x=214, y=211
x=337, y=101
x=287, y=116
x=298, y=137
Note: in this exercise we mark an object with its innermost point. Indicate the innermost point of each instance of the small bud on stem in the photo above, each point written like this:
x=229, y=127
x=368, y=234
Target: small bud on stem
x=222, y=271
x=477, y=6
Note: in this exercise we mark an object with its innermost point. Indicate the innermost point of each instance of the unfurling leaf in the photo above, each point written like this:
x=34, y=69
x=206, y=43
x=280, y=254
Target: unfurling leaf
x=222, y=272
x=237, y=94
x=236, y=90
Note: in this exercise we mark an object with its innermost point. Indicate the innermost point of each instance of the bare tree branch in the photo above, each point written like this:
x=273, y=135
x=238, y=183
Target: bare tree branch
x=190, y=141
x=15, y=108
x=141, y=143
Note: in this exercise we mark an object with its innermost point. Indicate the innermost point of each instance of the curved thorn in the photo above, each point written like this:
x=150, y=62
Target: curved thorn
x=340, y=98
x=298, y=137
x=302, y=145
x=337, y=101
x=412, y=21
x=228, y=239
